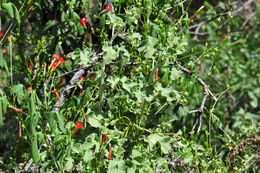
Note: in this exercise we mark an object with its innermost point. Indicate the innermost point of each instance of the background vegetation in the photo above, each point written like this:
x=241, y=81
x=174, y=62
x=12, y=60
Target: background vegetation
x=137, y=86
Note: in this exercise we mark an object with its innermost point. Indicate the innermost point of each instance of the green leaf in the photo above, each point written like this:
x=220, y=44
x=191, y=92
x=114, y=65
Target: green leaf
x=165, y=144
x=94, y=121
x=34, y=119
x=48, y=25
x=61, y=122
x=16, y=14
x=88, y=156
x=109, y=54
x=1, y=113
x=215, y=120
x=175, y=74
x=85, y=57
x=8, y=7
x=69, y=164
x=17, y=89
x=183, y=110
x=116, y=166
x=34, y=148
x=113, y=81
x=153, y=139
x=2, y=60
x=32, y=104
x=49, y=115
x=4, y=101
x=254, y=100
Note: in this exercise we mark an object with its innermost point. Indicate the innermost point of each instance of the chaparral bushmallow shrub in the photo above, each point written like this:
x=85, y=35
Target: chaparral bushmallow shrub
x=129, y=86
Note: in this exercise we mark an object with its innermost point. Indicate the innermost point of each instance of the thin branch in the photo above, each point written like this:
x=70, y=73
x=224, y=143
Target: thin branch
x=205, y=88
x=233, y=13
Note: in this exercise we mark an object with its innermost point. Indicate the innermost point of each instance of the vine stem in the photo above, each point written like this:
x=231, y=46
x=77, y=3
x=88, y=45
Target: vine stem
x=210, y=117
x=142, y=119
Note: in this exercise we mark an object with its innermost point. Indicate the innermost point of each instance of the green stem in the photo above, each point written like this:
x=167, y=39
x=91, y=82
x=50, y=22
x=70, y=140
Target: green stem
x=11, y=62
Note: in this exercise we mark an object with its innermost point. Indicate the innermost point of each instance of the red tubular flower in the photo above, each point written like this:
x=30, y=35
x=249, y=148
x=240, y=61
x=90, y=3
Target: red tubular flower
x=192, y=18
x=144, y=70
x=82, y=79
x=94, y=76
x=1, y=34
x=156, y=75
x=61, y=84
x=54, y=65
x=20, y=129
x=224, y=36
x=29, y=89
x=55, y=91
x=108, y=8
x=109, y=155
x=82, y=93
x=44, y=68
x=89, y=36
x=30, y=8
x=10, y=38
x=55, y=58
x=103, y=140
x=83, y=22
x=61, y=61
x=4, y=51
x=16, y=109
x=78, y=126
x=200, y=66
x=30, y=66
x=85, y=121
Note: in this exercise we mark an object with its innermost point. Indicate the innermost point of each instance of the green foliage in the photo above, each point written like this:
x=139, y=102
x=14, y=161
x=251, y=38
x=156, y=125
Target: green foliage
x=141, y=73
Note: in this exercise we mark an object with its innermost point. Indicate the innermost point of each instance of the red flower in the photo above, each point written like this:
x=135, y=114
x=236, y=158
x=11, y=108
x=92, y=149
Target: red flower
x=55, y=57
x=20, y=129
x=83, y=22
x=44, y=68
x=200, y=66
x=55, y=91
x=156, y=75
x=4, y=51
x=82, y=93
x=29, y=89
x=78, y=126
x=224, y=36
x=192, y=18
x=103, y=140
x=61, y=61
x=85, y=121
x=108, y=8
x=109, y=155
x=94, y=76
x=53, y=65
x=144, y=70
x=16, y=109
x=82, y=78
x=30, y=8
x=61, y=84
x=30, y=66
x=1, y=34
x=10, y=38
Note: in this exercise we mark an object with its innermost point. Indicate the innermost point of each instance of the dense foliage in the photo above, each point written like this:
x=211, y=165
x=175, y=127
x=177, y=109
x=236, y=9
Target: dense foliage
x=129, y=86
